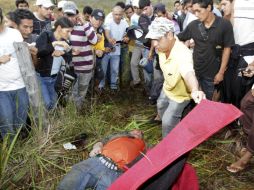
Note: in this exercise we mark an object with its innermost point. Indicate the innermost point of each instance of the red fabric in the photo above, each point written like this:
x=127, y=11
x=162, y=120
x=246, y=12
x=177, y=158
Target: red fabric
x=187, y=180
x=203, y=121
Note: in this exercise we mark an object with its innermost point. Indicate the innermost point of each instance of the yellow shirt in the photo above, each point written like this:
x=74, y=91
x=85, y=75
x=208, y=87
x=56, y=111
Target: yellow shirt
x=100, y=44
x=178, y=64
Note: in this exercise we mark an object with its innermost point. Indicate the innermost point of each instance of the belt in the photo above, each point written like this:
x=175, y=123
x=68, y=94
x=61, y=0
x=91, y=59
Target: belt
x=109, y=163
x=53, y=76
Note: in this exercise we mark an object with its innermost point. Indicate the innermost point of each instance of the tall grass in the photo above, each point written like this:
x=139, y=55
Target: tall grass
x=40, y=161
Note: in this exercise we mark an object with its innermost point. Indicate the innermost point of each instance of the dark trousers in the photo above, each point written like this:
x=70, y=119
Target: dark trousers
x=239, y=85
x=207, y=85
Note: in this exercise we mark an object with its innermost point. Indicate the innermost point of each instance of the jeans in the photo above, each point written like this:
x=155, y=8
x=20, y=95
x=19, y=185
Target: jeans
x=90, y=173
x=80, y=88
x=13, y=110
x=114, y=61
x=207, y=86
x=49, y=94
x=170, y=112
x=136, y=55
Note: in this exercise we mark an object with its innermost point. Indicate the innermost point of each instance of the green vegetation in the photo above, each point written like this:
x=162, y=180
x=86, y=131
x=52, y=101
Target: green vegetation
x=40, y=161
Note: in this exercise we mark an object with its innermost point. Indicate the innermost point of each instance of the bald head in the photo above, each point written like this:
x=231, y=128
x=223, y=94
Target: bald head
x=117, y=12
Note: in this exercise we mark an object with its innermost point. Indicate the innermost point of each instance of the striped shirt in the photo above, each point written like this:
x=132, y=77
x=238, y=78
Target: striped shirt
x=82, y=38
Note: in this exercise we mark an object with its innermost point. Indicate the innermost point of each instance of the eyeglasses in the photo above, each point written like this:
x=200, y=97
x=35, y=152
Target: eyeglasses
x=203, y=31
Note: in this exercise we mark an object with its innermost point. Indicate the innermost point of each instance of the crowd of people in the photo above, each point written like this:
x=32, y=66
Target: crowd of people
x=198, y=50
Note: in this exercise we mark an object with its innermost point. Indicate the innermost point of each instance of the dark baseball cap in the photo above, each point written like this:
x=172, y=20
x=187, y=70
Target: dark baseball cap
x=159, y=8
x=98, y=14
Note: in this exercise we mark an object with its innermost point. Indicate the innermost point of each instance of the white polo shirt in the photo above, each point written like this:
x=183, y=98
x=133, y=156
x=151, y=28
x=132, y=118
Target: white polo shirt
x=117, y=31
x=10, y=75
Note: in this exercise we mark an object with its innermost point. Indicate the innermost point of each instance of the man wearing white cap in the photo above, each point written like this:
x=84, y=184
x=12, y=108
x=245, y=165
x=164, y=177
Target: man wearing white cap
x=180, y=85
x=43, y=15
x=59, y=13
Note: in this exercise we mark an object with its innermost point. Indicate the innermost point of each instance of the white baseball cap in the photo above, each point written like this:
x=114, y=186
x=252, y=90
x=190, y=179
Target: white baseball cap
x=135, y=3
x=60, y=4
x=44, y=3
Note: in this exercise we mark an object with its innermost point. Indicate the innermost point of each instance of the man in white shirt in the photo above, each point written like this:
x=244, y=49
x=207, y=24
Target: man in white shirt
x=13, y=95
x=114, y=32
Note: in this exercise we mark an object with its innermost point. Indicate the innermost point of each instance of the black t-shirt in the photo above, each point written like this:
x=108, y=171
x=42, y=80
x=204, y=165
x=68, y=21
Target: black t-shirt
x=41, y=26
x=144, y=22
x=207, y=41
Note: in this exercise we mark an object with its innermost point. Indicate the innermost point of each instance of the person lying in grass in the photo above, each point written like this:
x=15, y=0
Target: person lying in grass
x=108, y=160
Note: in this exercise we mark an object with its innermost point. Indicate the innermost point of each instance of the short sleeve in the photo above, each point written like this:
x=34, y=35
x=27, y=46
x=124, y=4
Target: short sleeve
x=186, y=63
x=228, y=34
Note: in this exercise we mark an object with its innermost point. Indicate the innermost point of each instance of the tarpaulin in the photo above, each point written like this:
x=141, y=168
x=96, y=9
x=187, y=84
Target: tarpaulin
x=203, y=121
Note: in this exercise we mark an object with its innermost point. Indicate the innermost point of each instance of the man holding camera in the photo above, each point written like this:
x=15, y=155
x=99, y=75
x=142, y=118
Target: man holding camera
x=115, y=34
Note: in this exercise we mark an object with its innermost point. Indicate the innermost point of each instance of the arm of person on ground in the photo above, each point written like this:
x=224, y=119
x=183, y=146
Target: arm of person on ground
x=97, y=147
x=223, y=67
x=192, y=84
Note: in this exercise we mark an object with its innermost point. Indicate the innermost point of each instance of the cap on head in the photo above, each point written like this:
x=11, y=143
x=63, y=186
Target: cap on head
x=159, y=8
x=144, y=3
x=98, y=14
x=135, y=3
x=159, y=27
x=70, y=8
x=44, y=3
x=60, y=4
